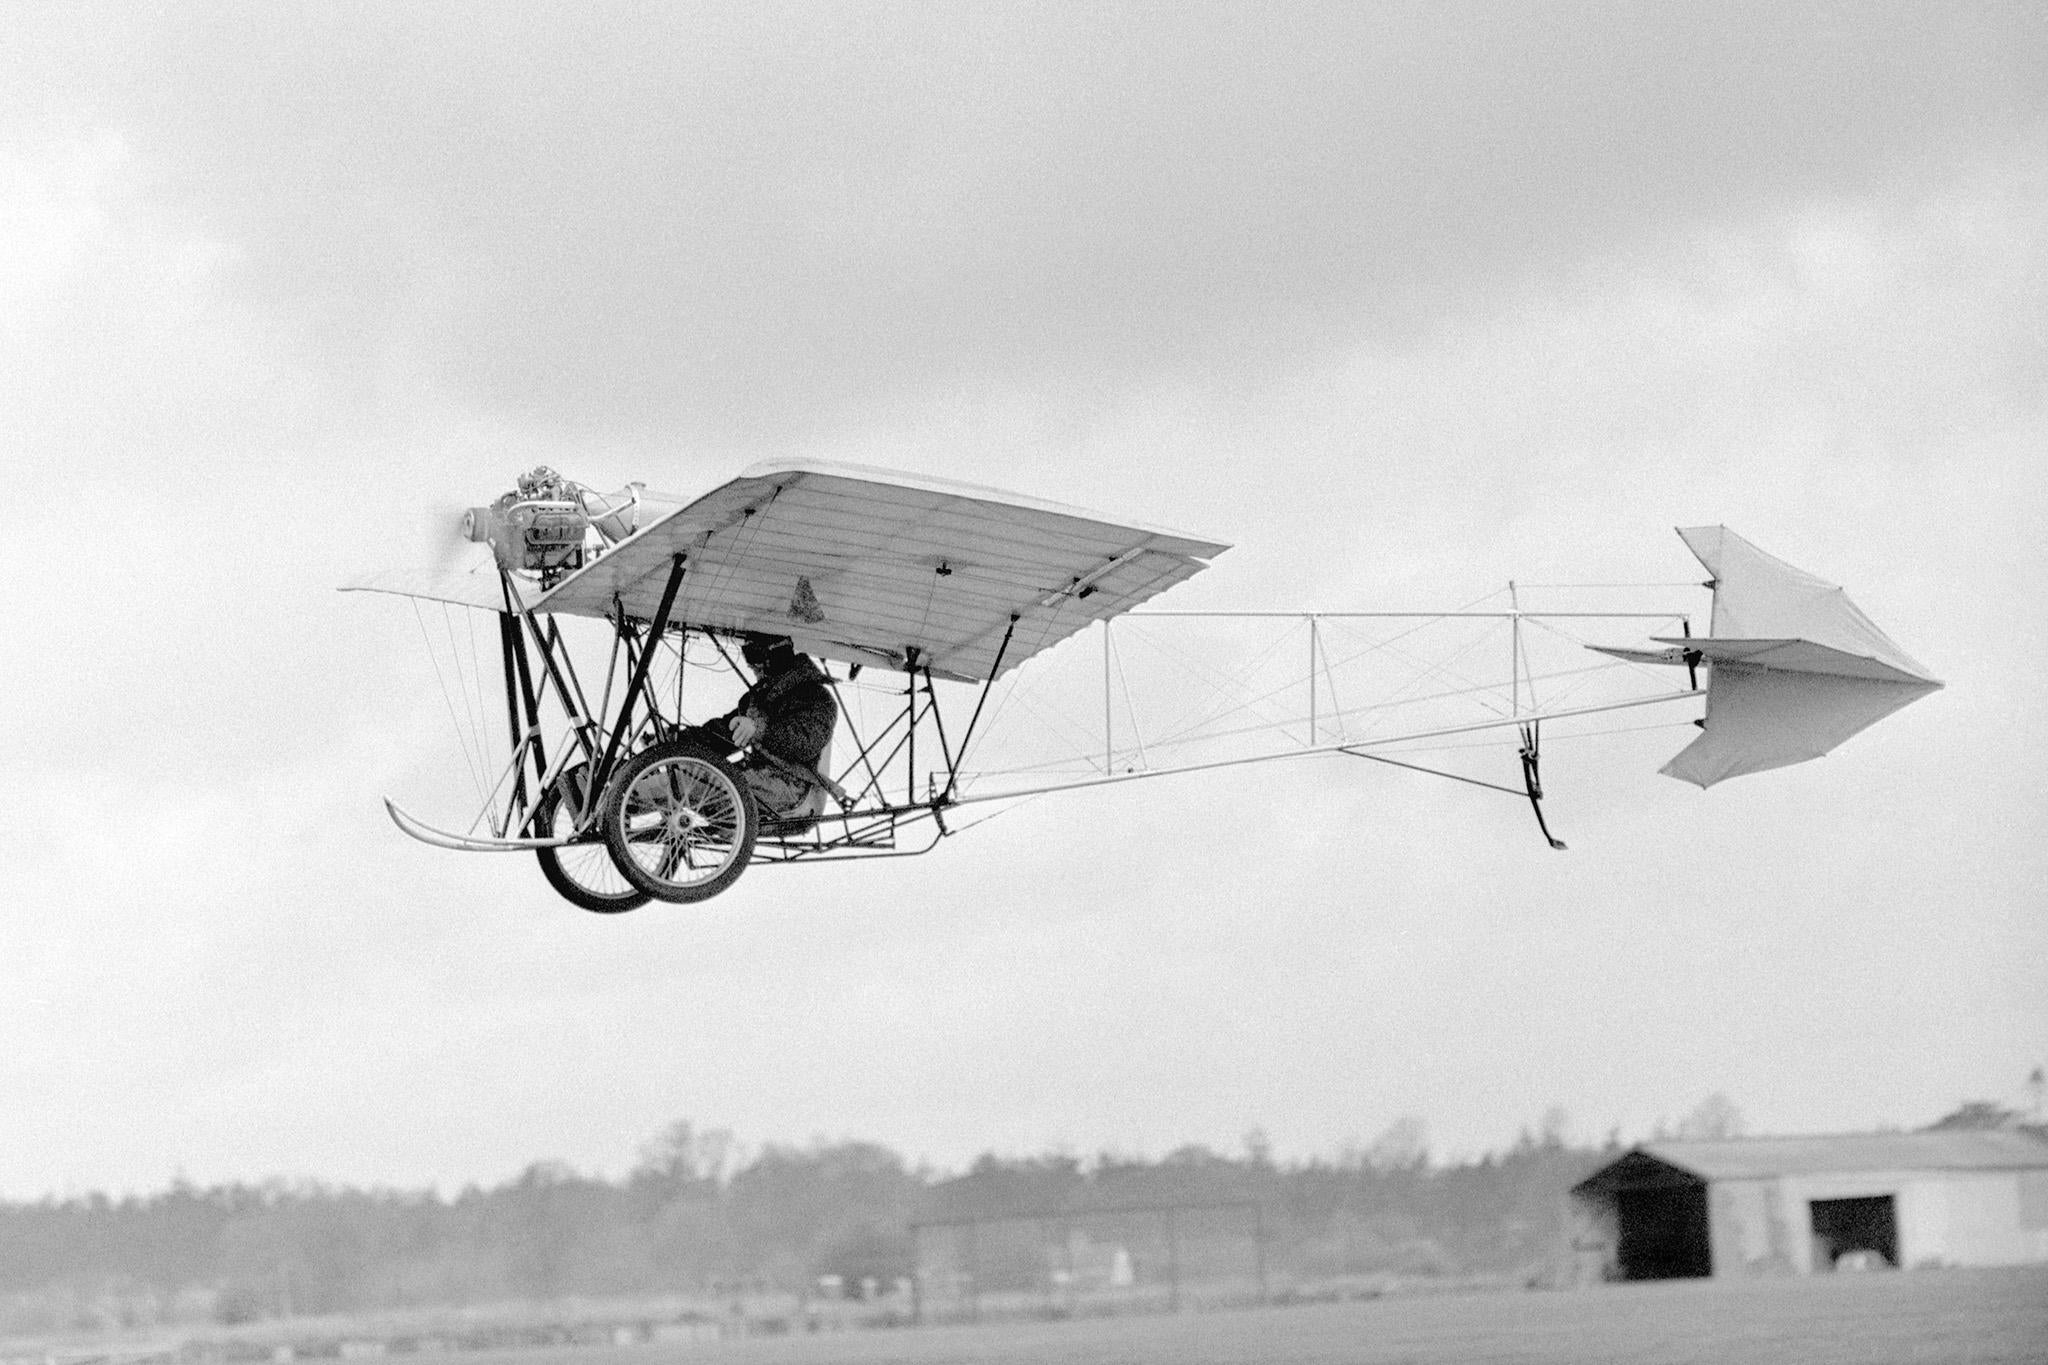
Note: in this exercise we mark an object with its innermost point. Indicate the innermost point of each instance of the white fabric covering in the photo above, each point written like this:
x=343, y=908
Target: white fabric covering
x=864, y=566
x=1793, y=667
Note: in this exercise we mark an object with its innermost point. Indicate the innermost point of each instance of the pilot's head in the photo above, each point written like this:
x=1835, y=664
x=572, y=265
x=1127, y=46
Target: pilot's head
x=766, y=654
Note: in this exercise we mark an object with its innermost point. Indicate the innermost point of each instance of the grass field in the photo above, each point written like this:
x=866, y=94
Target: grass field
x=1924, y=1317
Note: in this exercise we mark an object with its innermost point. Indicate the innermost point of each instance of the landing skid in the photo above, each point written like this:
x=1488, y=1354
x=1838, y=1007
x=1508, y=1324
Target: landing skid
x=465, y=843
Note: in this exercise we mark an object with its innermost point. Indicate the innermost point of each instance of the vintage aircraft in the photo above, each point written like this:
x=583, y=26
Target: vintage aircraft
x=907, y=583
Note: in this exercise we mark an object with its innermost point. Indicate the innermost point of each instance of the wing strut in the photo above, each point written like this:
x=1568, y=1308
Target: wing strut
x=655, y=626
x=953, y=776
x=1531, y=756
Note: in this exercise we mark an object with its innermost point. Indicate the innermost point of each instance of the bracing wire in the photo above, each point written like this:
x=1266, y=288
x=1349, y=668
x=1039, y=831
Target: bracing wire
x=1130, y=709
x=448, y=699
x=1388, y=645
x=1217, y=701
x=725, y=565
x=1317, y=647
x=474, y=697
x=1550, y=738
x=1016, y=685
x=1520, y=662
x=1220, y=704
x=469, y=705
x=999, y=812
x=1069, y=729
x=1448, y=670
x=1572, y=638
x=476, y=678
x=1078, y=735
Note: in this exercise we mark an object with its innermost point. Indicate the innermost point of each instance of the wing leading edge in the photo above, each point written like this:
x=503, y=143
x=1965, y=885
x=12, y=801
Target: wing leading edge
x=870, y=566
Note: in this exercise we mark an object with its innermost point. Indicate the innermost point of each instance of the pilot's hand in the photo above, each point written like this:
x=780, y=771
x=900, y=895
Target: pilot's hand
x=743, y=729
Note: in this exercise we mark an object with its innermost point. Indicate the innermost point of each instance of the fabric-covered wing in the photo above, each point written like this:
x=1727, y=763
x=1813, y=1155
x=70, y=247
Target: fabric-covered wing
x=1761, y=718
x=865, y=565
x=1760, y=597
x=1794, y=656
x=1793, y=667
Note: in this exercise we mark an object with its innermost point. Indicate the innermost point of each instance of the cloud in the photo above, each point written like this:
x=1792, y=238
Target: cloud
x=1405, y=301
x=740, y=224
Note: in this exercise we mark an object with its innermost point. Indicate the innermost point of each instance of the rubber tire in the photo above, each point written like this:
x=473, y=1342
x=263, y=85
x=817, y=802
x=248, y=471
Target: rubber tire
x=613, y=820
x=597, y=902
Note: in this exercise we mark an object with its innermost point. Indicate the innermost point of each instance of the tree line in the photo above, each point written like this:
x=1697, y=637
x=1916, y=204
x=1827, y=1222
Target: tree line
x=694, y=1216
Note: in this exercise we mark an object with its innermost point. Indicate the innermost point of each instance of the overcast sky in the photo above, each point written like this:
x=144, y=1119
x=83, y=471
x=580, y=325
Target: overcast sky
x=1401, y=300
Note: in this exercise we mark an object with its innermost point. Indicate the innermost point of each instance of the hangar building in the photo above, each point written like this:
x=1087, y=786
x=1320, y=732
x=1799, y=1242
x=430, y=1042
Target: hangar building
x=1765, y=1206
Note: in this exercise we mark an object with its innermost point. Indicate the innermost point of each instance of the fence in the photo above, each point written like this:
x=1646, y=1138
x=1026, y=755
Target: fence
x=1160, y=1257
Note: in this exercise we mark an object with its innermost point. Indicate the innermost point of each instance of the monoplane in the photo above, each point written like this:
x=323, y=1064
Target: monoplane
x=925, y=598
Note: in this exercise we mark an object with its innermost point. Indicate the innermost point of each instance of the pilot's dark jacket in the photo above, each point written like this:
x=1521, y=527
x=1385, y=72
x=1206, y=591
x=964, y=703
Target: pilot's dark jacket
x=796, y=710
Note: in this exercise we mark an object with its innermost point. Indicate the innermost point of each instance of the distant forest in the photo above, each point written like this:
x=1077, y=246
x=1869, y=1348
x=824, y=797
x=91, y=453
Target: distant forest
x=695, y=1217
x=699, y=1216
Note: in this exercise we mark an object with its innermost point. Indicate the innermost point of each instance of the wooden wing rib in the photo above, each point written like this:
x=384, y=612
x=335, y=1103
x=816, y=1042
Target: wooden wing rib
x=865, y=565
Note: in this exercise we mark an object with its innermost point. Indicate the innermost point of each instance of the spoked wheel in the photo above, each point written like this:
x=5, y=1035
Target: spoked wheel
x=679, y=821
x=585, y=874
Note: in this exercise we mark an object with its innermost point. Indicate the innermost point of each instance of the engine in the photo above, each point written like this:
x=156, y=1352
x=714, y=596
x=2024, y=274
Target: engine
x=552, y=527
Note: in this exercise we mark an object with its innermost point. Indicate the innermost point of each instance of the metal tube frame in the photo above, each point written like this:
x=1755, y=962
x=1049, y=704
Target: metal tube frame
x=870, y=823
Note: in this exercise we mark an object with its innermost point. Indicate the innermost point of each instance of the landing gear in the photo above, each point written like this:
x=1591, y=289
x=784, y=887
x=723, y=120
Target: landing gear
x=1532, y=752
x=679, y=821
x=584, y=873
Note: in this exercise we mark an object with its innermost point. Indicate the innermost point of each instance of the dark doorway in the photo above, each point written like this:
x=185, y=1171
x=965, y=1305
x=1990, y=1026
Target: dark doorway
x=1847, y=1227
x=1662, y=1232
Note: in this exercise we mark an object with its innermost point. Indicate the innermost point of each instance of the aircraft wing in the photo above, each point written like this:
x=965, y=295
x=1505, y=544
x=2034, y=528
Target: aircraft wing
x=1793, y=656
x=864, y=565
x=1794, y=668
x=1643, y=656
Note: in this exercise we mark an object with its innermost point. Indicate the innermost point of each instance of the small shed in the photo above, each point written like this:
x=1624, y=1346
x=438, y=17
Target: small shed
x=1760, y=1206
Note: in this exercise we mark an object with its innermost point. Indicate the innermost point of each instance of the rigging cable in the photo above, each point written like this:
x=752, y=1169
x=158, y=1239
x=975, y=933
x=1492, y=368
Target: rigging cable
x=462, y=737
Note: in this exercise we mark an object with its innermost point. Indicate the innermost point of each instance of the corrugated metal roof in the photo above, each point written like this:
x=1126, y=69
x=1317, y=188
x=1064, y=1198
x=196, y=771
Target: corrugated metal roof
x=1763, y=1157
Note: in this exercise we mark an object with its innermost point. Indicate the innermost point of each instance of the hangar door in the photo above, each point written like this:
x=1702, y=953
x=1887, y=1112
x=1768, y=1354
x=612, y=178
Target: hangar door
x=1650, y=1218
x=1643, y=1218
x=1662, y=1232
x=1852, y=1231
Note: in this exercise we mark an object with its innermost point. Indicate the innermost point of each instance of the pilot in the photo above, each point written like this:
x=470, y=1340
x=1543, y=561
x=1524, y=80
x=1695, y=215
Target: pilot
x=789, y=712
